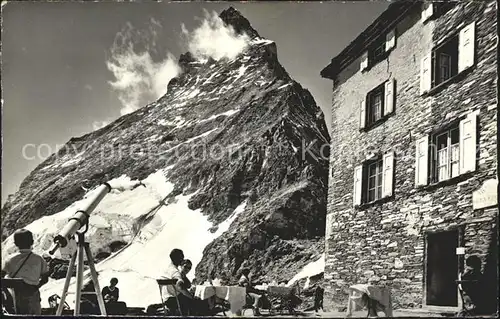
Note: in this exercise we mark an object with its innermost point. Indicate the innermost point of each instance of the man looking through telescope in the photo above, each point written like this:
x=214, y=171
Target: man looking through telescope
x=31, y=268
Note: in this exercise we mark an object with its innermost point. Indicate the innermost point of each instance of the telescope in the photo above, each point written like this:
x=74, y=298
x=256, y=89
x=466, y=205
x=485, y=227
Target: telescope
x=80, y=219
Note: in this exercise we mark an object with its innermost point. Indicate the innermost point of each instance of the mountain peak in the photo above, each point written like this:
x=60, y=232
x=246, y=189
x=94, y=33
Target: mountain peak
x=241, y=25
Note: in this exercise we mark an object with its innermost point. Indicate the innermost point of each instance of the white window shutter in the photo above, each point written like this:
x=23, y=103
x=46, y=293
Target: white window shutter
x=364, y=61
x=362, y=114
x=421, y=160
x=468, y=147
x=358, y=181
x=390, y=93
x=425, y=73
x=427, y=11
x=466, y=47
x=387, y=180
x=390, y=40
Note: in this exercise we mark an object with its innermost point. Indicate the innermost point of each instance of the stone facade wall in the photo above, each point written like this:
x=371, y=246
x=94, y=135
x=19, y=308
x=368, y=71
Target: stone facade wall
x=385, y=242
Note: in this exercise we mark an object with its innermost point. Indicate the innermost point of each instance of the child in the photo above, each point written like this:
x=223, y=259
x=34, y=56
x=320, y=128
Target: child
x=29, y=267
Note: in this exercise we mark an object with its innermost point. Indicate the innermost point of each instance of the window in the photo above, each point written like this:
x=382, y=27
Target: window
x=378, y=50
x=375, y=104
x=373, y=180
x=374, y=189
x=444, y=62
x=451, y=152
x=433, y=10
x=378, y=104
x=446, y=159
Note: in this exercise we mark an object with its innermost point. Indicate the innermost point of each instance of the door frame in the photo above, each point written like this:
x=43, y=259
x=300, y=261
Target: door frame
x=460, y=243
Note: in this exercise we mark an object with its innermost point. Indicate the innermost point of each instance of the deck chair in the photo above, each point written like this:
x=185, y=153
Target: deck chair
x=169, y=282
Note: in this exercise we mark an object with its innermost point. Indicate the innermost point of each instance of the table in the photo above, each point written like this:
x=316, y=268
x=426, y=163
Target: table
x=380, y=294
x=236, y=296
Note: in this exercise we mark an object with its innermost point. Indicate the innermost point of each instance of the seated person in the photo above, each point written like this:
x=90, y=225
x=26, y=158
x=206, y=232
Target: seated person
x=31, y=268
x=188, y=304
x=110, y=294
x=254, y=294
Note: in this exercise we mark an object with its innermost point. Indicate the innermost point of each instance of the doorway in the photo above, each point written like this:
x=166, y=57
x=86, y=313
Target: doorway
x=442, y=268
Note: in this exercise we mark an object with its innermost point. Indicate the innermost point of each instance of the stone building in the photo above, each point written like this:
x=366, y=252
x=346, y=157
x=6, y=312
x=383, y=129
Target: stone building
x=413, y=169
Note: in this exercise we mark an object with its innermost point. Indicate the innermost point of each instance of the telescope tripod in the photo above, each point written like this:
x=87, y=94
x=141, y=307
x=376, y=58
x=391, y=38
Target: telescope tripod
x=83, y=248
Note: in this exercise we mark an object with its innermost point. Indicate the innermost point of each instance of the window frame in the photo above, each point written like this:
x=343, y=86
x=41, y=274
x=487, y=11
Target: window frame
x=370, y=107
x=434, y=158
x=466, y=55
x=436, y=52
x=379, y=44
x=439, y=9
x=378, y=162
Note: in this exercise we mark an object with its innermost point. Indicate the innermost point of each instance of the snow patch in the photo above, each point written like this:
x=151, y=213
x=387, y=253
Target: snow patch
x=224, y=226
x=266, y=155
x=178, y=122
x=188, y=141
x=225, y=88
x=241, y=72
x=284, y=86
x=213, y=117
x=309, y=270
x=214, y=74
x=200, y=136
x=193, y=94
x=77, y=159
x=262, y=41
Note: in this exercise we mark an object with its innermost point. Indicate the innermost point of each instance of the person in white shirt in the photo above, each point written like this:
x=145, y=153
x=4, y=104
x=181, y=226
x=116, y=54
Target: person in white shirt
x=169, y=293
x=29, y=267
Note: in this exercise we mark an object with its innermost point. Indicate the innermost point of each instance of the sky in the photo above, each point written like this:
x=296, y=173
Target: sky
x=66, y=65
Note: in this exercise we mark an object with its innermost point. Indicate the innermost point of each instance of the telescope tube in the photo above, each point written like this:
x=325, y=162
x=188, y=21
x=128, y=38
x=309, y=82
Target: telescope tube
x=79, y=219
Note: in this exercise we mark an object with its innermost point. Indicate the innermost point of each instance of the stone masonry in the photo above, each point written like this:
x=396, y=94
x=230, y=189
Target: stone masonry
x=384, y=242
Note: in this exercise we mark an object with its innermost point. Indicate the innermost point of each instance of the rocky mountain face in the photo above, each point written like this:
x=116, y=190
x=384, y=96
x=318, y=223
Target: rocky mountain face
x=228, y=132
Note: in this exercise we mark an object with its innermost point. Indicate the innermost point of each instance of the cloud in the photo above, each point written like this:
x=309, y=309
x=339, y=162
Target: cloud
x=88, y=87
x=99, y=124
x=213, y=39
x=139, y=78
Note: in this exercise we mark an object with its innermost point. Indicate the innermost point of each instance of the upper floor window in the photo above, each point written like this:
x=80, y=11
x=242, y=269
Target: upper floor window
x=378, y=104
x=378, y=50
x=447, y=153
x=373, y=179
x=445, y=61
x=432, y=10
x=375, y=104
x=446, y=159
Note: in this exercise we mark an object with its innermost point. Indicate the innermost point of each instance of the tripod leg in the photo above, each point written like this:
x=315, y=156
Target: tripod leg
x=66, y=285
x=79, y=279
x=93, y=272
